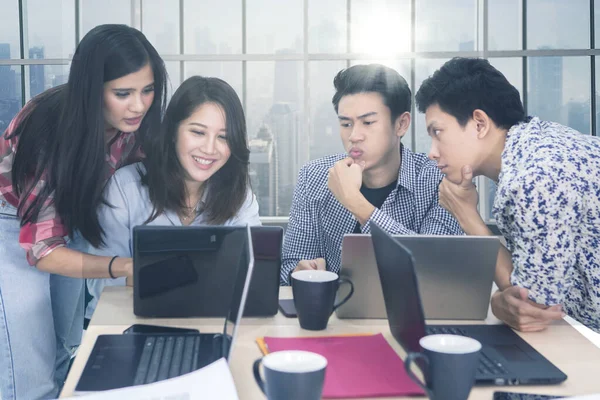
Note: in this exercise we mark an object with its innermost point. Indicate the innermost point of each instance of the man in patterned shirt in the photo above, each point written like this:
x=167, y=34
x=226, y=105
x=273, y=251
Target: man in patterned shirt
x=547, y=204
x=378, y=179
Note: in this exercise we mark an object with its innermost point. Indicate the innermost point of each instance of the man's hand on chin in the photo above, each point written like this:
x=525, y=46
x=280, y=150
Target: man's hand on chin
x=344, y=181
x=460, y=200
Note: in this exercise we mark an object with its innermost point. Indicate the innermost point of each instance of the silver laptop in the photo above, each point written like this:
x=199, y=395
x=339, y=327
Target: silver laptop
x=455, y=275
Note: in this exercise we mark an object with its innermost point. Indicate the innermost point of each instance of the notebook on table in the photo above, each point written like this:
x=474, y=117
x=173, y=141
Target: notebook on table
x=357, y=365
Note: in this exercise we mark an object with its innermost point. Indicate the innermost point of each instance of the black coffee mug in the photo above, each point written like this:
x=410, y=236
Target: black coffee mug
x=450, y=364
x=291, y=375
x=314, y=297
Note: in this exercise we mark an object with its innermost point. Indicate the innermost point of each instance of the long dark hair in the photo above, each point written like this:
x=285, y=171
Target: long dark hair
x=164, y=176
x=61, y=133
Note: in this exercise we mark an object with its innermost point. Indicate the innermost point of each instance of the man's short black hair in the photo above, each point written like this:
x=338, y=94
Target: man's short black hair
x=463, y=85
x=374, y=78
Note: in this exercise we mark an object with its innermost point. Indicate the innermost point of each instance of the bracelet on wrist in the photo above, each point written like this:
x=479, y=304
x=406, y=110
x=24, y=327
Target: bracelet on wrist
x=110, y=273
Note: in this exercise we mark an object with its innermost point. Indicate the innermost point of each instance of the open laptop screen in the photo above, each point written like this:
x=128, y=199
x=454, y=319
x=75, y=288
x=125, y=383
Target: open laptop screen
x=186, y=271
x=400, y=289
x=241, y=285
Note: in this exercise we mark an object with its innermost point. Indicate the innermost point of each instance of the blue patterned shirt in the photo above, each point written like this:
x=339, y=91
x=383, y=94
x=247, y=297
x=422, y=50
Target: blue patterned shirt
x=318, y=221
x=547, y=207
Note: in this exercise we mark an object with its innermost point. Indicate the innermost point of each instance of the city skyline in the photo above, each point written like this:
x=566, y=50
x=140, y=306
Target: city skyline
x=302, y=125
x=284, y=114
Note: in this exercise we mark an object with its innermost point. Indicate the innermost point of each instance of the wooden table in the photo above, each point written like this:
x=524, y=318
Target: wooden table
x=560, y=343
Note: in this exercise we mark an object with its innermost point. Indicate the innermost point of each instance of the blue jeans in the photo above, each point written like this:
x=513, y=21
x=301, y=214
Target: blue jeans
x=41, y=319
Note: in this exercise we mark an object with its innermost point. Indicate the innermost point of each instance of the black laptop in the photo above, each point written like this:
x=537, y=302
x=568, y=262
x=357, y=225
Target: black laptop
x=199, y=260
x=125, y=360
x=506, y=359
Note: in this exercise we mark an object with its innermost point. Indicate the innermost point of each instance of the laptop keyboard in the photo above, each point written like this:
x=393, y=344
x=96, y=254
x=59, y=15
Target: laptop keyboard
x=436, y=330
x=165, y=357
x=487, y=365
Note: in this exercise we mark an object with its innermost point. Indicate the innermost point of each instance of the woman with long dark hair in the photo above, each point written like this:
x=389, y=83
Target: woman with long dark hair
x=55, y=159
x=195, y=173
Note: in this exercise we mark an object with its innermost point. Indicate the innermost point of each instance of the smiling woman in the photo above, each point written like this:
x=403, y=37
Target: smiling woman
x=200, y=154
x=202, y=147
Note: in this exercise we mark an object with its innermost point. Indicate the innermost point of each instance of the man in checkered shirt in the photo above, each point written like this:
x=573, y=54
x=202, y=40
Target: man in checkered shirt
x=378, y=179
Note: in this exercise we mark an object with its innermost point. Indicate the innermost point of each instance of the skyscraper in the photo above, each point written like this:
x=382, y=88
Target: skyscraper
x=545, y=94
x=578, y=116
x=7, y=75
x=285, y=87
x=4, y=51
x=263, y=171
x=284, y=121
x=10, y=93
x=325, y=135
x=37, y=79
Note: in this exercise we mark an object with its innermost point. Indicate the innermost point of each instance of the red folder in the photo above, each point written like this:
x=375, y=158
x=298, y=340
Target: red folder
x=357, y=366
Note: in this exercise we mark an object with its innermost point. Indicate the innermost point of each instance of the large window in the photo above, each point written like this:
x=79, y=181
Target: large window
x=281, y=57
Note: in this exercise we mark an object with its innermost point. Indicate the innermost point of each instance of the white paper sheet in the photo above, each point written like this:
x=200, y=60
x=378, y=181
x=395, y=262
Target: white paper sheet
x=211, y=382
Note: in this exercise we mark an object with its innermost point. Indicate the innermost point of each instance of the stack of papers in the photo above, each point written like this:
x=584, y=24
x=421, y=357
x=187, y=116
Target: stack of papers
x=211, y=382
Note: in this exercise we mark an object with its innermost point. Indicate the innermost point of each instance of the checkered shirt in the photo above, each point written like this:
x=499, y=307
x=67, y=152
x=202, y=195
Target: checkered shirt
x=318, y=221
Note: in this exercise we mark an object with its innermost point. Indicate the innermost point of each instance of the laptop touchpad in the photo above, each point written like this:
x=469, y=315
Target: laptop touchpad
x=512, y=352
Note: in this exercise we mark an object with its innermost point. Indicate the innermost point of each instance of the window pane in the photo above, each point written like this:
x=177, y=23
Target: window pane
x=559, y=90
x=424, y=69
x=324, y=125
x=212, y=27
x=489, y=187
x=380, y=26
x=174, y=71
x=42, y=77
x=229, y=71
x=263, y=172
x=160, y=24
x=98, y=12
x=512, y=68
x=597, y=23
x=558, y=24
x=9, y=30
x=327, y=26
x=282, y=34
x=10, y=94
x=435, y=31
x=403, y=68
x=597, y=97
x=55, y=39
x=505, y=27
x=275, y=102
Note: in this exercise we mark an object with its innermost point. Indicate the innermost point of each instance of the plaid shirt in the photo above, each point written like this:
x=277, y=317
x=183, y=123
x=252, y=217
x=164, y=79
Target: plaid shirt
x=48, y=232
x=318, y=221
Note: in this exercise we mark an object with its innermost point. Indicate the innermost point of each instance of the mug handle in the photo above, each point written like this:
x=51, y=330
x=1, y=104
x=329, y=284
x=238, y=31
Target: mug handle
x=410, y=358
x=345, y=299
x=257, y=377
